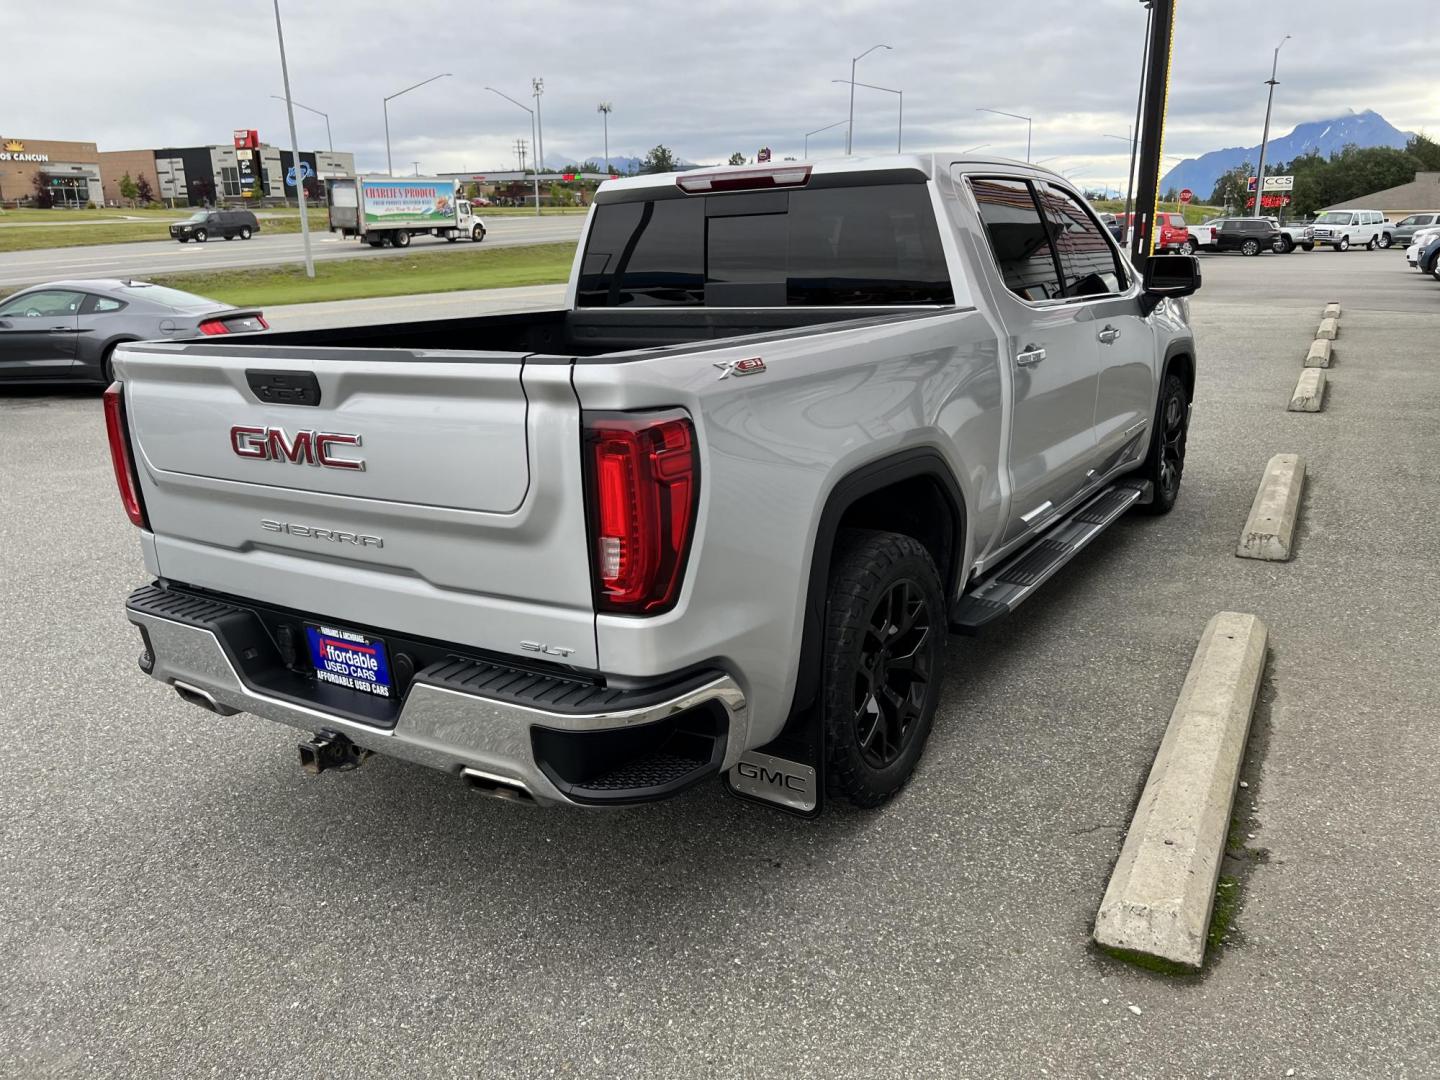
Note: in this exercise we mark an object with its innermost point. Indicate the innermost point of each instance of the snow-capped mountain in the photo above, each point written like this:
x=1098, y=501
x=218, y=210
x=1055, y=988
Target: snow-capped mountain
x=1362, y=129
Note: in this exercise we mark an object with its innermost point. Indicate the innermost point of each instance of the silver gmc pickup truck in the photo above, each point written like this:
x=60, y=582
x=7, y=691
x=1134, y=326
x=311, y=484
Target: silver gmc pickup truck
x=716, y=517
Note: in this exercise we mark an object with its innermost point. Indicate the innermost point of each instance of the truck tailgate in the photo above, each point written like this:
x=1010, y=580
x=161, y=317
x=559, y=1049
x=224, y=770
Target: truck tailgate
x=438, y=494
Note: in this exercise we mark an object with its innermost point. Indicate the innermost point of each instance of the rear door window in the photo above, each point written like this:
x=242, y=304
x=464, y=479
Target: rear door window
x=873, y=245
x=1018, y=238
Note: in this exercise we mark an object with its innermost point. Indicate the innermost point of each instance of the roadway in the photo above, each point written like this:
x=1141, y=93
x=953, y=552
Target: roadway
x=151, y=257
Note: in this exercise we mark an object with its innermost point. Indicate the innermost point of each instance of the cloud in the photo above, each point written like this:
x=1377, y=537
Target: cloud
x=704, y=79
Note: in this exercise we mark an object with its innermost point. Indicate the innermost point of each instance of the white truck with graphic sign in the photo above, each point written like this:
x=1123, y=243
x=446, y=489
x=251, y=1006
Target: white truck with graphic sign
x=390, y=210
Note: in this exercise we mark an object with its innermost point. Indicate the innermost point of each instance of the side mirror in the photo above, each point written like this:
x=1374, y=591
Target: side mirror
x=1169, y=276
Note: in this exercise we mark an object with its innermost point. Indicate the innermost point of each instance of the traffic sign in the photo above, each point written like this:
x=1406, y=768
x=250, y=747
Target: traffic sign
x=1186, y=195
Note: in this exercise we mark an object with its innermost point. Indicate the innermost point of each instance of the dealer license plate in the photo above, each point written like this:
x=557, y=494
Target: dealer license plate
x=350, y=659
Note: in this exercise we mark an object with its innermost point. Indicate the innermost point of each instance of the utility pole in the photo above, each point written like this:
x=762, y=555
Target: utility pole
x=1265, y=137
x=605, y=109
x=539, y=87
x=294, y=148
x=1154, y=98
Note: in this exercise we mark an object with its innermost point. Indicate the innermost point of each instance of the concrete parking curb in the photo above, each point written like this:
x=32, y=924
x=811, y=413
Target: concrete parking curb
x=1319, y=354
x=1309, y=393
x=1270, y=528
x=1332, y=311
x=1329, y=329
x=1161, y=892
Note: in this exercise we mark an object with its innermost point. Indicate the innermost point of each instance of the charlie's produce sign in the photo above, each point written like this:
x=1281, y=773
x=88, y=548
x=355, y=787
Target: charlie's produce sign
x=400, y=201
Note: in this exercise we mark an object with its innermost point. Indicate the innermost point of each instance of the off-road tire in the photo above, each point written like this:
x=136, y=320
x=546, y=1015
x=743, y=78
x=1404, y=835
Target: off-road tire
x=885, y=622
x=1165, y=463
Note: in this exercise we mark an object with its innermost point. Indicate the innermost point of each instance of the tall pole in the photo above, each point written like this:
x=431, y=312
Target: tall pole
x=1139, y=103
x=1151, y=135
x=900, y=124
x=850, y=129
x=604, y=109
x=538, y=85
x=294, y=147
x=806, y=152
x=533, y=134
x=317, y=112
x=389, y=165
x=1265, y=136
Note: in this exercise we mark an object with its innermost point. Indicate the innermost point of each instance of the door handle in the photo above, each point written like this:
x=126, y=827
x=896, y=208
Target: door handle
x=59, y=329
x=1030, y=356
x=1108, y=335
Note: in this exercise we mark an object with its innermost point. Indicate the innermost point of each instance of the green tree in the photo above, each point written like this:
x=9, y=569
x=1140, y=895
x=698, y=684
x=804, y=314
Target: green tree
x=591, y=166
x=658, y=160
x=128, y=190
x=44, y=197
x=1232, y=189
x=737, y=158
x=1425, y=151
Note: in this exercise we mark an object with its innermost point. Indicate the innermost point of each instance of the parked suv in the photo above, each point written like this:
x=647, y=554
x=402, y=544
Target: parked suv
x=1404, y=230
x=715, y=517
x=1171, y=233
x=1344, y=229
x=203, y=224
x=1247, y=235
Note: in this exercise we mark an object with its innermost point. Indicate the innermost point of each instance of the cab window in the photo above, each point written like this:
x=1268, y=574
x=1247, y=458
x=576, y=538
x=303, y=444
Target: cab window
x=1018, y=239
x=1088, y=263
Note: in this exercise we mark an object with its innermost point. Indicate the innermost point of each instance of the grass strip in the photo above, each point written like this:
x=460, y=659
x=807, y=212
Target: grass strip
x=478, y=267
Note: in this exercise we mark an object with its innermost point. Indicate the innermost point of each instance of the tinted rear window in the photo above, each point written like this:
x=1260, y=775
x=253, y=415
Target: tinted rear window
x=876, y=245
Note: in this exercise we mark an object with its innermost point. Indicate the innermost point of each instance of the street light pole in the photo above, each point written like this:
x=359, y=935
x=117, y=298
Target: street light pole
x=538, y=85
x=900, y=123
x=850, y=130
x=806, y=152
x=531, y=111
x=1029, y=125
x=389, y=165
x=1265, y=137
x=604, y=109
x=294, y=148
x=1129, y=139
x=317, y=112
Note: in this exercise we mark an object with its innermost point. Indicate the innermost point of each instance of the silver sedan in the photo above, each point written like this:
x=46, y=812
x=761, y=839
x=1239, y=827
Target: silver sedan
x=65, y=331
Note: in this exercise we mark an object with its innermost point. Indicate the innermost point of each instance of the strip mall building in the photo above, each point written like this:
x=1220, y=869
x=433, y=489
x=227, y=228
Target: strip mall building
x=78, y=173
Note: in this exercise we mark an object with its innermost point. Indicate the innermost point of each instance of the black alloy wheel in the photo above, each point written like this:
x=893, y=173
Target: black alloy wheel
x=892, y=679
x=1165, y=464
x=885, y=632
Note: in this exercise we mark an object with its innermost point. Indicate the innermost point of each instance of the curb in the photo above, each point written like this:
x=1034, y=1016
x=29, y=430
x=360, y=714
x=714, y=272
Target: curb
x=1270, y=528
x=1309, y=393
x=1329, y=328
x=1332, y=311
x=1319, y=354
x=1162, y=890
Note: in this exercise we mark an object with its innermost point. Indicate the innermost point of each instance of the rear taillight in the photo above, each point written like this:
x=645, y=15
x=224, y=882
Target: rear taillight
x=643, y=479
x=125, y=477
x=783, y=176
x=211, y=327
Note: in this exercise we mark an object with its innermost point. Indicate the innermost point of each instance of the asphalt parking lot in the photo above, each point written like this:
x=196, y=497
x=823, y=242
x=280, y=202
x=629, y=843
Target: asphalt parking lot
x=178, y=899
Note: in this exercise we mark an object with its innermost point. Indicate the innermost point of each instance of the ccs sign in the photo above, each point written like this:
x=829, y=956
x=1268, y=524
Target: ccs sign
x=306, y=448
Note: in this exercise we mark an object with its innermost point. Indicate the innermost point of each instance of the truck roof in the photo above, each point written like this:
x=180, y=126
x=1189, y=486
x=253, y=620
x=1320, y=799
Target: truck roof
x=931, y=164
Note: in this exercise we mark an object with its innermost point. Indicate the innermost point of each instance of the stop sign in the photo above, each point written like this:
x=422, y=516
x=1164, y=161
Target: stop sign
x=1186, y=195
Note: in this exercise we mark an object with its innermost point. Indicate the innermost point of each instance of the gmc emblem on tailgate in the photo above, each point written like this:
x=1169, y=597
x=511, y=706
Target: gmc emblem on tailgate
x=306, y=448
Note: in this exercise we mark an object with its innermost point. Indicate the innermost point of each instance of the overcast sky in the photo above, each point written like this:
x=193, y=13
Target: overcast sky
x=705, y=79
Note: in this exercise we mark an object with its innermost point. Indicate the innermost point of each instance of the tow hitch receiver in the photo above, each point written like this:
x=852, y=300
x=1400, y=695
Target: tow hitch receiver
x=328, y=750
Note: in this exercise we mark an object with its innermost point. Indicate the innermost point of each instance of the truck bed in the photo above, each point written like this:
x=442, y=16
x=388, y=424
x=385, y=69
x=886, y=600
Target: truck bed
x=585, y=333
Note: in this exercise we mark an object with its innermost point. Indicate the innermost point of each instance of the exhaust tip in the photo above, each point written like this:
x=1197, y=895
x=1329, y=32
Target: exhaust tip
x=195, y=696
x=496, y=786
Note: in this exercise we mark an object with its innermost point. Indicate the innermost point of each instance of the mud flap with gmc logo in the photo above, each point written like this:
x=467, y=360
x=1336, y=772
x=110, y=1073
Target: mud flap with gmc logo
x=789, y=785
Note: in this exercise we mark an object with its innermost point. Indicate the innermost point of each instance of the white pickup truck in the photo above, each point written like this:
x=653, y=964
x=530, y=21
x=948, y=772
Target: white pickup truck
x=715, y=517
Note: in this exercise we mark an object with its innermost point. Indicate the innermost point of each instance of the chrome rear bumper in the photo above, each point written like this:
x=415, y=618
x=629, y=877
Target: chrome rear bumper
x=438, y=726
